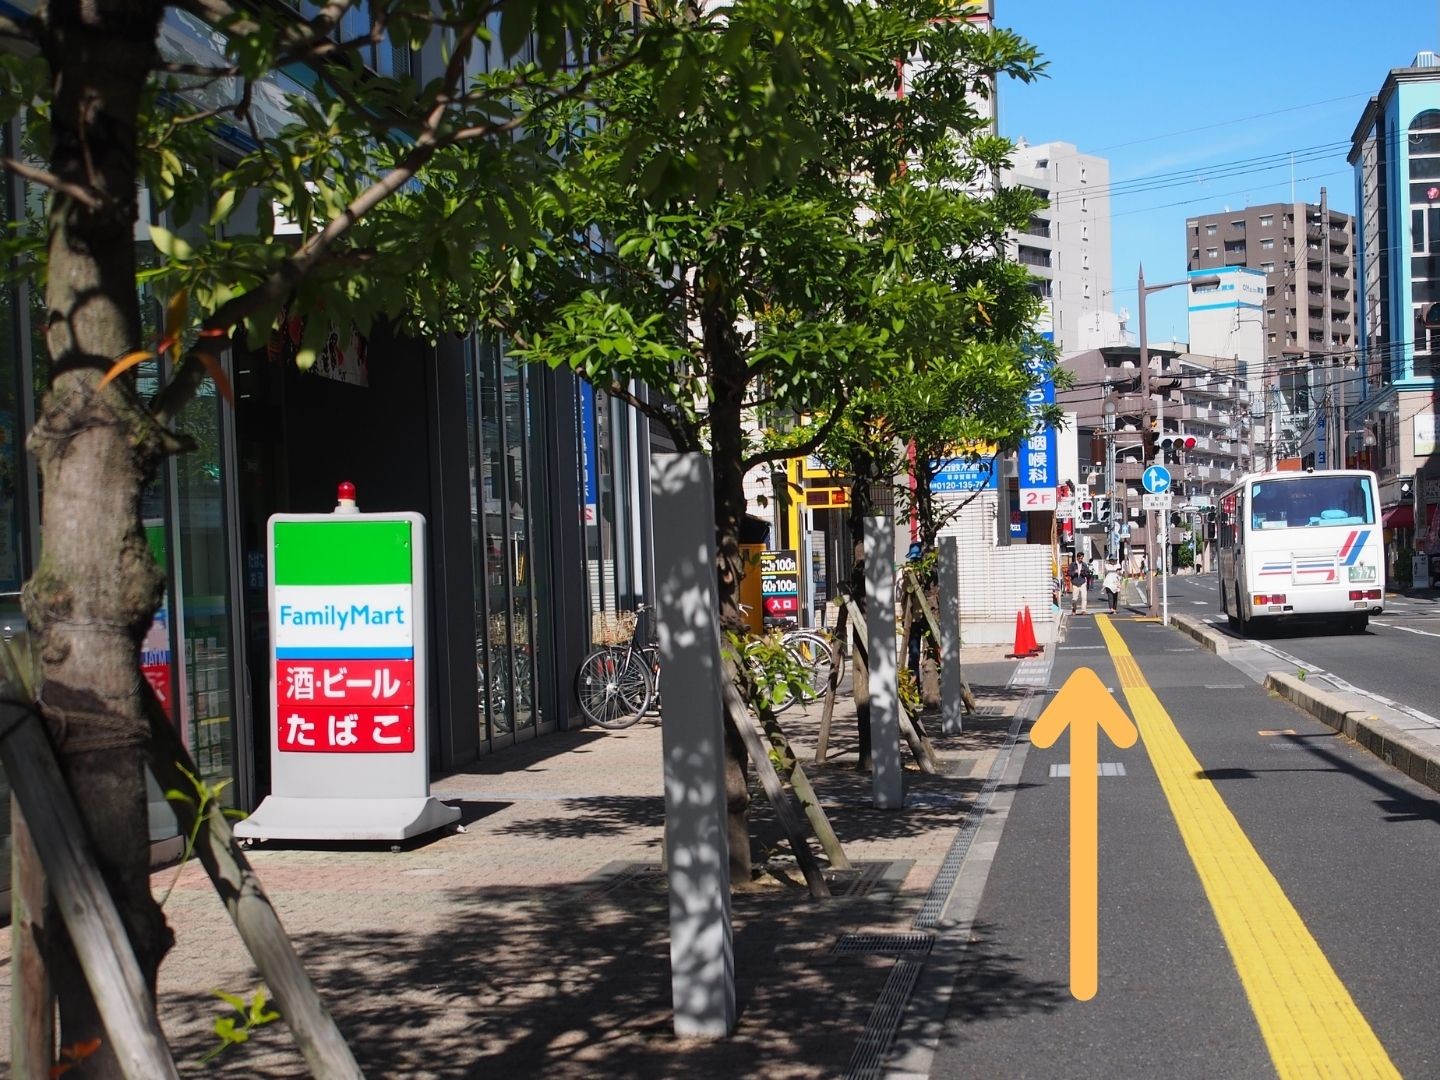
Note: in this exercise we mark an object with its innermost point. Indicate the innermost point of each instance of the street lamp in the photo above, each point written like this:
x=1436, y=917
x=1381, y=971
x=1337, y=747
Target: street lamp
x=1145, y=291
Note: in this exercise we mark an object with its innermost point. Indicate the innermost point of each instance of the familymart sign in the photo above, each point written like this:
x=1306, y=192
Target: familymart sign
x=349, y=754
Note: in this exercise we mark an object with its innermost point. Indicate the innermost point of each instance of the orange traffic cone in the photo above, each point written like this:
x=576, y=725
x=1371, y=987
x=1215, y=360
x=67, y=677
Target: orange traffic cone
x=1035, y=647
x=1024, y=637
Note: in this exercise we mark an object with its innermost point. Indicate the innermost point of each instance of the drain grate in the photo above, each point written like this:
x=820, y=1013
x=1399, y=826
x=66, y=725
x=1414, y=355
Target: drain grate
x=882, y=945
x=879, y=1033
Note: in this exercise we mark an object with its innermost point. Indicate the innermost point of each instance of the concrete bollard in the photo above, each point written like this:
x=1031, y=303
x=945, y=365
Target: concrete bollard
x=887, y=772
x=702, y=956
x=952, y=705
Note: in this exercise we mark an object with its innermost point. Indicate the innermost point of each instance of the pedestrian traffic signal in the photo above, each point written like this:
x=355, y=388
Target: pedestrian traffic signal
x=1102, y=509
x=1086, y=514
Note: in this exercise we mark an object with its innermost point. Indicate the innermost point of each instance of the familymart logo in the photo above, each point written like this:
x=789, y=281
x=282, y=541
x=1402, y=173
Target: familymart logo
x=316, y=621
x=340, y=617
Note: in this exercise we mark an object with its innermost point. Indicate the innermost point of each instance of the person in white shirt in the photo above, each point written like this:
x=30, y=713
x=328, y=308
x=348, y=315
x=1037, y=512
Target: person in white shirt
x=1111, y=585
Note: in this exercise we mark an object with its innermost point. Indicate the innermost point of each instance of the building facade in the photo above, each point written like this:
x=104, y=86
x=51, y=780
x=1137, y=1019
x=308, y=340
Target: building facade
x=1067, y=245
x=1204, y=397
x=534, y=488
x=1309, y=313
x=1395, y=152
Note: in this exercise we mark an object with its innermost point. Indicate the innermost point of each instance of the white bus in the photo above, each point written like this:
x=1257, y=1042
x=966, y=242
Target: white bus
x=1301, y=544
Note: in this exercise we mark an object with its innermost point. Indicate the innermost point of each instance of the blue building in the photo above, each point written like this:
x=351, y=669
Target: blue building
x=1395, y=152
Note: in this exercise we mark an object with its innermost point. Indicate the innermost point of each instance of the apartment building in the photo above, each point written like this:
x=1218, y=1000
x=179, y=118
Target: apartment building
x=1395, y=153
x=1203, y=397
x=1308, y=257
x=1067, y=245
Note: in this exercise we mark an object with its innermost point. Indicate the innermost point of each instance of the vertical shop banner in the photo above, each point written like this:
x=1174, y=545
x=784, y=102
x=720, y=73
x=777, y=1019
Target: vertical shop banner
x=589, y=465
x=155, y=651
x=349, y=753
x=780, y=586
x=1322, y=442
x=1037, y=464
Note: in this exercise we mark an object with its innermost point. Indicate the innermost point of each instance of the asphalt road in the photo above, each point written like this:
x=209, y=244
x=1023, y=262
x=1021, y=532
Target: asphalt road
x=1396, y=658
x=1351, y=847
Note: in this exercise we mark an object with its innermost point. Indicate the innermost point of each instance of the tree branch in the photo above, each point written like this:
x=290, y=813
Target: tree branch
x=822, y=432
x=200, y=71
x=281, y=282
x=80, y=193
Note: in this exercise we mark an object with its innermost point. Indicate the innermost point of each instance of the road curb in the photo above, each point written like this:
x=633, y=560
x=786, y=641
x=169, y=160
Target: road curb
x=1202, y=633
x=1416, y=758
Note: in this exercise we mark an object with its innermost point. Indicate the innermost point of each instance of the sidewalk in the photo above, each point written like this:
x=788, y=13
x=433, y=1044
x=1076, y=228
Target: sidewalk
x=536, y=942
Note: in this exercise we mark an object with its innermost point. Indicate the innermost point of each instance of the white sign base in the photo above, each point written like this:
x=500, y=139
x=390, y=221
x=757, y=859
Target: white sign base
x=287, y=817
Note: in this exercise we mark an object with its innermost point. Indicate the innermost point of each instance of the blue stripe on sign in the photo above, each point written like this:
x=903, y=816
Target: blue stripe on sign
x=310, y=652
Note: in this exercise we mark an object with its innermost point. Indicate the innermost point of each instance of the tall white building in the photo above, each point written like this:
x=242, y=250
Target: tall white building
x=1067, y=245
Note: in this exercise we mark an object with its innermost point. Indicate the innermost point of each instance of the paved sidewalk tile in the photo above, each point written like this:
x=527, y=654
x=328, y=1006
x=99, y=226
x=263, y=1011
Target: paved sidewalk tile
x=506, y=950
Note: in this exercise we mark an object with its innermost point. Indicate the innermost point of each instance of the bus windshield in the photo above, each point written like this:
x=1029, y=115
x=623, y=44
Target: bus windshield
x=1308, y=501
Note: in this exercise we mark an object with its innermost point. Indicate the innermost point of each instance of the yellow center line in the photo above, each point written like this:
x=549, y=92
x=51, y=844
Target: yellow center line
x=1310, y=1023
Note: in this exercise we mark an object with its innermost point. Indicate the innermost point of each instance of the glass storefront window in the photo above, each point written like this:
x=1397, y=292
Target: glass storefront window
x=605, y=450
x=510, y=556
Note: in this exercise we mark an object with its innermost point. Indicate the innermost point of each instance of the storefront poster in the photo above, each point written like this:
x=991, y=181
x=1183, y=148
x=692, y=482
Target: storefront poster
x=589, y=467
x=780, y=585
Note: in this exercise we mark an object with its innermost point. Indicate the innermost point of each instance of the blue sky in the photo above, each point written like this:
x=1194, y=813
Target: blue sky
x=1163, y=88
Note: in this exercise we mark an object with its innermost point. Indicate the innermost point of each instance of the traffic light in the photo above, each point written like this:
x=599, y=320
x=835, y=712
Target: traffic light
x=1086, y=511
x=1102, y=509
x=1172, y=446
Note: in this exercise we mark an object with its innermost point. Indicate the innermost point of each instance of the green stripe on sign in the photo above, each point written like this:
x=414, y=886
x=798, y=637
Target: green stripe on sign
x=342, y=553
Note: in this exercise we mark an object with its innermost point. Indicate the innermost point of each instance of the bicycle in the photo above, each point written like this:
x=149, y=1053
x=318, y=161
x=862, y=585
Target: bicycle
x=815, y=651
x=616, y=685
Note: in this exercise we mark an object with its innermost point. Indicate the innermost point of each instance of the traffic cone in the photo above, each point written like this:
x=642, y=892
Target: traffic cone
x=1024, y=635
x=1035, y=647
x=1021, y=650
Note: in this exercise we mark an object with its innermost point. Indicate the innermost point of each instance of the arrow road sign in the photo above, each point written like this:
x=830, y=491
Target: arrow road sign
x=1156, y=479
x=1086, y=708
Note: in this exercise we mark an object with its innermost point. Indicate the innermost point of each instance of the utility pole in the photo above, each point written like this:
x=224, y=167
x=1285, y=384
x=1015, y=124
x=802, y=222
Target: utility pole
x=1325, y=346
x=1144, y=431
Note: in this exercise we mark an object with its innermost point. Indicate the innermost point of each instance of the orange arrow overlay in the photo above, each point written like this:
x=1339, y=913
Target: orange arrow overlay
x=1084, y=706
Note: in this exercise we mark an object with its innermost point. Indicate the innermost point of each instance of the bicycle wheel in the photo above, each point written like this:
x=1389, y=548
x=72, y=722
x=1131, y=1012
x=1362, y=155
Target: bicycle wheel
x=613, y=687
x=812, y=652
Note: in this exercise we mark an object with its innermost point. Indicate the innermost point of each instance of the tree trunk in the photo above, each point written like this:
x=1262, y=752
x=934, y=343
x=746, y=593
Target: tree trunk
x=97, y=584
x=728, y=376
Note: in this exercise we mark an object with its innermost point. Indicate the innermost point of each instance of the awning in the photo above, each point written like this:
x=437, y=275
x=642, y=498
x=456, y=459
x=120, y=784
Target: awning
x=1403, y=516
x=1399, y=517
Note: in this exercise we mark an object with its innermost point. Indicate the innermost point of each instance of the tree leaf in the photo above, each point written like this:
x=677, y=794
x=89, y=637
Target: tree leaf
x=124, y=364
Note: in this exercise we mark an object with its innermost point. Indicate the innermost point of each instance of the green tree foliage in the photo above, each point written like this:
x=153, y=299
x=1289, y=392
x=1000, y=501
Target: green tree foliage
x=763, y=226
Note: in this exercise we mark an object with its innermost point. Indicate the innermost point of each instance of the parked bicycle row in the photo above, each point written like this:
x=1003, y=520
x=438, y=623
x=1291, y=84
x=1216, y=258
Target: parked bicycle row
x=619, y=682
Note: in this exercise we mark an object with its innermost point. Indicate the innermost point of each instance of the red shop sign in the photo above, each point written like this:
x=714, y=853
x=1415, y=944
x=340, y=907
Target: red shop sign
x=345, y=683
x=346, y=730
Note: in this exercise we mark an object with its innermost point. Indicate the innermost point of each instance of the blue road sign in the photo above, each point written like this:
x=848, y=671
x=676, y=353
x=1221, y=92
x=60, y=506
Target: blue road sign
x=1156, y=479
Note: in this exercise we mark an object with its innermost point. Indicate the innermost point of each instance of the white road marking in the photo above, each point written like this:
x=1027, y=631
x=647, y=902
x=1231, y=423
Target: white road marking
x=1202, y=603
x=1407, y=629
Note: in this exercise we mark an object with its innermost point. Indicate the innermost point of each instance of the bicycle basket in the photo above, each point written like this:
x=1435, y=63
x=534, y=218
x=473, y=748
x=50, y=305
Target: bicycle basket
x=612, y=627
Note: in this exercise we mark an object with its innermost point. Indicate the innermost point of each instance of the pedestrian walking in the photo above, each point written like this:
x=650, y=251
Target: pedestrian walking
x=1079, y=585
x=1111, y=585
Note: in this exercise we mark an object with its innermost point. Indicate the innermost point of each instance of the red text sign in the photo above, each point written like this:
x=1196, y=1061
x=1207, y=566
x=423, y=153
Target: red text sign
x=345, y=683
x=346, y=730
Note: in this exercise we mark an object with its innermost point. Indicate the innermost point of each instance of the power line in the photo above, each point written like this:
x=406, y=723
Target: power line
x=1237, y=120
